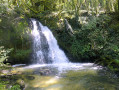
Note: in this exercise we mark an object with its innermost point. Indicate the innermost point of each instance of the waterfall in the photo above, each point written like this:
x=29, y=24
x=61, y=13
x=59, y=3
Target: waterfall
x=45, y=47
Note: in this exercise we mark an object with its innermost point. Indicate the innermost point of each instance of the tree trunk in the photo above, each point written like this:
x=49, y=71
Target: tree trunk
x=118, y=5
x=68, y=27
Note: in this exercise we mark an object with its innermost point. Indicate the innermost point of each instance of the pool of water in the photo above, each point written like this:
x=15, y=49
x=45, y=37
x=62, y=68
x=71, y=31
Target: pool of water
x=67, y=76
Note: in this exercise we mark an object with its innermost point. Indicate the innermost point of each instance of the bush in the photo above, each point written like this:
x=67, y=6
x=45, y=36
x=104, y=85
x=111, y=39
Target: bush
x=3, y=85
x=20, y=56
x=15, y=87
x=4, y=54
x=93, y=40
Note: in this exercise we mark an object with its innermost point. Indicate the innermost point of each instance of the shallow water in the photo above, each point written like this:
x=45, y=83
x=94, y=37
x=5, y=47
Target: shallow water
x=67, y=76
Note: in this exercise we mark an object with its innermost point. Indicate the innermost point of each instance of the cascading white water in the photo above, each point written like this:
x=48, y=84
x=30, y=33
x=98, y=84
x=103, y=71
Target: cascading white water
x=45, y=47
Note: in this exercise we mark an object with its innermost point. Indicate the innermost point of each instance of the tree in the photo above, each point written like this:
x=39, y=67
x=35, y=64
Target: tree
x=118, y=5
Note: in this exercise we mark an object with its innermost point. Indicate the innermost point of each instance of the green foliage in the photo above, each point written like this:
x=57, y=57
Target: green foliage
x=4, y=54
x=3, y=85
x=14, y=32
x=95, y=40
x=15, y=87
x=42, y=8
x=78, y=49
x=21, y=55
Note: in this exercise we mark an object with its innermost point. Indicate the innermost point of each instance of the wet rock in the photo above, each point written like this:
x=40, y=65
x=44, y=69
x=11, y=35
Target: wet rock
x=21, y=83
x=37, y=72
x=5, y=71
x=44, y=72
x=30, y=77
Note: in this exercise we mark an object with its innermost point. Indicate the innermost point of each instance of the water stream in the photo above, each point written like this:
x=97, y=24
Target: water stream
x=51, y=69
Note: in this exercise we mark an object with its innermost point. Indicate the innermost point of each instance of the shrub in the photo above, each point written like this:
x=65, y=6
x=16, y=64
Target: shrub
x=4, y=54
x=15, y=87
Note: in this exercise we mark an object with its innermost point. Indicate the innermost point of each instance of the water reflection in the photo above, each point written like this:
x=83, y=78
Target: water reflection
x=68, y=77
